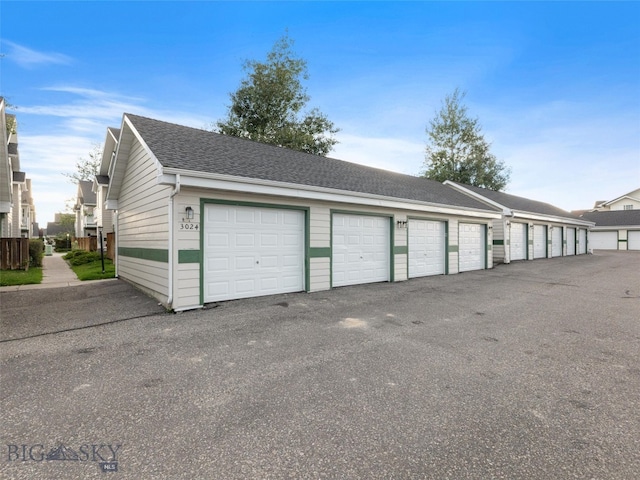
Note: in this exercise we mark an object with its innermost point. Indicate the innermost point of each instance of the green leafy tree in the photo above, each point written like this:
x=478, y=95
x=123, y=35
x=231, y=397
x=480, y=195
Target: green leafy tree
x=456, y=149
x=268, y=105
x=87, y=168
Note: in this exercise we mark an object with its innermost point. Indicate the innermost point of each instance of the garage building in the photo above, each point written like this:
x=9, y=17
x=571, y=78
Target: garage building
x=614, y=230
x=202, y=217
x=528, y=229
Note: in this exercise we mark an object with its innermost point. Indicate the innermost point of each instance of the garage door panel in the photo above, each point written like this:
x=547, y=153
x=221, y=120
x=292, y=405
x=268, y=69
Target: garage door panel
x=426, y=248
x=244, y=262
x=364, y=258
x=539, y=241
x=603, y=240
x=244, y=216
x=633, y=240
x=518, y=241
x=582, y=241
x=471, y=253
x=254, y=252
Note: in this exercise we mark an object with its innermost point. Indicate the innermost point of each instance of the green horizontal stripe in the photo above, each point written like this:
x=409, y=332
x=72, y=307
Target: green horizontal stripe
x=453, y=248
x=400, y=250
x=188, y=256
x=153, y=254
x=622, y=239
x=498, y=242
x=320, y=252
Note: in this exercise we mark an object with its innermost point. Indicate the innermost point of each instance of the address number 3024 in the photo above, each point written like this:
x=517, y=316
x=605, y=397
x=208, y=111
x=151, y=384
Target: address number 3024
x=188, y=226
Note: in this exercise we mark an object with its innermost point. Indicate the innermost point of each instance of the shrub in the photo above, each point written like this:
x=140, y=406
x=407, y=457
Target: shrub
x=80, y=257
x=62, y=244
x=36, y=252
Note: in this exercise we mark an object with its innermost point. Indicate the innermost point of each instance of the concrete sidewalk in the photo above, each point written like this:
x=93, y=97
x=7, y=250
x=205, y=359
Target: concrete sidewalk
x=56, y=273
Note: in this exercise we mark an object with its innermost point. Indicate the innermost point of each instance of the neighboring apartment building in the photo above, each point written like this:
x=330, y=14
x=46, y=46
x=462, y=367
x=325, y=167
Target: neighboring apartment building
x=628, y=201
x=85, y=210
x=17, y=210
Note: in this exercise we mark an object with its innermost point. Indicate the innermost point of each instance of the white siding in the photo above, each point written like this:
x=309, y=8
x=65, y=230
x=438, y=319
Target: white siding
x=571, y=240
x=320, y=274
x=499, y=251
x=556, y=241
x=143, y=224
x=453, y=246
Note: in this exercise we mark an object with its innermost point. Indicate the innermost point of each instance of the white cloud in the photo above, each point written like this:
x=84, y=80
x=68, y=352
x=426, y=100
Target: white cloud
x=28, y=58
x=397, y=155
x=44, y=158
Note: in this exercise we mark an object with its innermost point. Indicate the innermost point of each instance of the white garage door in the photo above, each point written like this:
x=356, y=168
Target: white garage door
x=472, y=247
x=518, y=241
x=582, y=241
x=539, y=241
x=571, y=241
x=556, y=242
x=252, y=251
x=633, y=240
x=360, y=251
x=426, y=248
x=603, y=240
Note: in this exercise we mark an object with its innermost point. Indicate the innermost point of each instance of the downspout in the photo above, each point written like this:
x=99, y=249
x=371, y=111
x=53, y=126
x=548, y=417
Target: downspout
x=174, y=192
x=116, y=227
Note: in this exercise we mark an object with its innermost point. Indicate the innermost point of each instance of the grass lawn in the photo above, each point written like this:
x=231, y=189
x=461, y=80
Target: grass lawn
x=20, y=277
x=93, y=270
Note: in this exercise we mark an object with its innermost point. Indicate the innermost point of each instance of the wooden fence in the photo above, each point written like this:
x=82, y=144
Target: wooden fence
x=14, y=253
x=88, y=244
x=111, y=246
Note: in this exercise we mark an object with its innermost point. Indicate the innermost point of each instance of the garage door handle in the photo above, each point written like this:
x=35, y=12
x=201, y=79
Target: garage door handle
x=257, y=262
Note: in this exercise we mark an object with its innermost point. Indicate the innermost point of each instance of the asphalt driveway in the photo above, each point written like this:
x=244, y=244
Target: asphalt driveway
x=528, y=371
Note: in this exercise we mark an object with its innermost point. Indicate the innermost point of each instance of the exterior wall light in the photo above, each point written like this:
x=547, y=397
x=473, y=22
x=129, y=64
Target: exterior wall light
x=401, y=224
x=189, y=212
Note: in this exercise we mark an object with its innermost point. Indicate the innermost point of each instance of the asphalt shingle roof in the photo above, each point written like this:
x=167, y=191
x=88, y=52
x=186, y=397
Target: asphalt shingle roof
x=88, y=197
x=522, y=204
x=176, y=146
x=614, y=218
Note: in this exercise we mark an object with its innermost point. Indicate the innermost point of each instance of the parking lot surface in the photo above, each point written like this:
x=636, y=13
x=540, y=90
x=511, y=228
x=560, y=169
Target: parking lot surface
x=526, y=371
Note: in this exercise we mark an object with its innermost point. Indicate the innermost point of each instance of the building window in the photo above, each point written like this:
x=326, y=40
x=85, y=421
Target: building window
x=628, y=207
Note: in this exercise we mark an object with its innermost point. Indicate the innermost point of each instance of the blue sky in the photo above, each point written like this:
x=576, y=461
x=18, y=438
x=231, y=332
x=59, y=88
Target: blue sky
x=556, y=86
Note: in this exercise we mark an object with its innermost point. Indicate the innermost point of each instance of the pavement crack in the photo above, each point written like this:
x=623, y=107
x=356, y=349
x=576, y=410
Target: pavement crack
x=83, y=327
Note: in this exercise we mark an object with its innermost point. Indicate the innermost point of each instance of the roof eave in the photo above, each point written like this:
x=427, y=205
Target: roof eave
x=505, y=210
x=233, y=183
x=551, y=218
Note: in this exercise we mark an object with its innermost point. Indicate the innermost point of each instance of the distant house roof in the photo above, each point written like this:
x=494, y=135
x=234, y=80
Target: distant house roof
x=200, y=151
x=19, y=176
x=614, y=218
x=520, y=204
x=632, y=195
x=55, y=228
x=86, y=196
x=115, y=132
